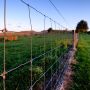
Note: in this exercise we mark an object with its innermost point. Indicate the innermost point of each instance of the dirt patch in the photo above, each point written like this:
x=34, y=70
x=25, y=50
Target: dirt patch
x=68, y=78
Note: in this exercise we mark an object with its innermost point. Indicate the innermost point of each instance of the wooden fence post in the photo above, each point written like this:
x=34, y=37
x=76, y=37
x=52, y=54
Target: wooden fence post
x=75, y=39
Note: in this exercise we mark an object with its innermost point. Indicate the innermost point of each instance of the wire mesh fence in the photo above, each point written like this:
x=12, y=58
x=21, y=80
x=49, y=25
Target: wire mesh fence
x=30, y=60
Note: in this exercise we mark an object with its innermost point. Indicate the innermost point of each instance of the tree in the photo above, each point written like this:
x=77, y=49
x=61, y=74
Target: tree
x=82, y=26
x=49, y=30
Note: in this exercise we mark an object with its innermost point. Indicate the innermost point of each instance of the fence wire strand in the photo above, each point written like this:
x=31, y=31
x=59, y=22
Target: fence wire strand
x=53, y=48
x=41, y=12
x=31, y=44
x=4, y=61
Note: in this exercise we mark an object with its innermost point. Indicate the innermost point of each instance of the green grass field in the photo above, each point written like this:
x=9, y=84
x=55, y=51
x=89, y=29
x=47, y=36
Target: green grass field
x=18, y=52
x=82, y=68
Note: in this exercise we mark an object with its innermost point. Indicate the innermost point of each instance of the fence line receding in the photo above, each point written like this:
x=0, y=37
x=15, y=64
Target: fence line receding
x=32, y=60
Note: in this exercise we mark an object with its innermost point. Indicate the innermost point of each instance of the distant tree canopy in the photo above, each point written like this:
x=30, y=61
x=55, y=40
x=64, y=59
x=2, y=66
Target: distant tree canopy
x=49, y=30
x=82, y=26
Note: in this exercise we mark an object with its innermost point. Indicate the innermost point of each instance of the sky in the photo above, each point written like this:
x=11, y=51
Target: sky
x=17, y=16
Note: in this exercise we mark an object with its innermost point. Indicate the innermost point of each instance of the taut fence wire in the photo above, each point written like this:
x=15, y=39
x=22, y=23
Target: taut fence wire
x=34, y=61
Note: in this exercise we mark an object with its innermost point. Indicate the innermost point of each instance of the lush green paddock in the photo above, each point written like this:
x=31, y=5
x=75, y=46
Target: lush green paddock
x=18, y=52
x=82, y=68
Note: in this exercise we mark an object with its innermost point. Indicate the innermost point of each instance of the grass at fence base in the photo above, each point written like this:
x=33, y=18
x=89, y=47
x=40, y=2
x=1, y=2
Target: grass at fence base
x=82, y=68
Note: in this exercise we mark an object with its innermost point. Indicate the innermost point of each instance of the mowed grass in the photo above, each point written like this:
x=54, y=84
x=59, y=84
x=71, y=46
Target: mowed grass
x=82, y=68
x=18, y=52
